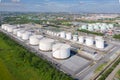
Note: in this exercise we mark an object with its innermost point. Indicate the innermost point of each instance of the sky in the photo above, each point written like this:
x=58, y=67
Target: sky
x=72, y=6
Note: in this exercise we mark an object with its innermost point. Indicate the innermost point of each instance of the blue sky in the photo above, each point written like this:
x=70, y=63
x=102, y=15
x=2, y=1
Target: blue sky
x=98, y=6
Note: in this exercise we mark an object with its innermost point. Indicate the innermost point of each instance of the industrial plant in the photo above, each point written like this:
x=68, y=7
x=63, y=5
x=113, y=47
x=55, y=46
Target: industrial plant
x=74, y=53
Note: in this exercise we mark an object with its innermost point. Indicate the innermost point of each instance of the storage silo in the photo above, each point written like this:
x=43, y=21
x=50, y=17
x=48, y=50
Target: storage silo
x=96, y=27
x=90, y=28
x=62, y=34
x=26, y=35
x=2, y=26
x=84, y=27
x=98, y=37
x=15, y=31
x=100, y=43
x=34, y=40
x=103, y=28
x=68, y=36
x=20, y=32
x=10, y=29
x=111, y=26
x=61, y=51
x=81, y=39
x=6, y=27
x=75, y=37
x=89, y=41
x=58, y=34
x=46, y=44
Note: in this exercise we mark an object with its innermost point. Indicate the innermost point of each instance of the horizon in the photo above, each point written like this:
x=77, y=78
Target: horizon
x=70, y=6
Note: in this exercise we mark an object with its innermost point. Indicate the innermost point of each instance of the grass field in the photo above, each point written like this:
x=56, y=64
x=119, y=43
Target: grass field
x=17, y=63
x=4, y=73
x=118, y=75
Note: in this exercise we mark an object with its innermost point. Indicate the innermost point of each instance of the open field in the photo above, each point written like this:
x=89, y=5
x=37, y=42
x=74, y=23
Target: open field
x=118, y=75
x=20, y=64
x=4, y=73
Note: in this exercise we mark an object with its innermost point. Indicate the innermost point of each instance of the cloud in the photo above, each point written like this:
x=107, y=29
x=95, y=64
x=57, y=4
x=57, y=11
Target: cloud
x=15, y=1
x=59, y=6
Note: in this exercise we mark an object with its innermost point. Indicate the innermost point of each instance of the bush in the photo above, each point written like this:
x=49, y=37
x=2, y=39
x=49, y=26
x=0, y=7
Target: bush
x=90, y=32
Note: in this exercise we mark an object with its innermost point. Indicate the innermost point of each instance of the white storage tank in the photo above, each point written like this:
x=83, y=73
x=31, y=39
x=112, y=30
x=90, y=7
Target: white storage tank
x=5, y=27
x=62, y=34
x=26, y=35
x=84, y=27
x=103, y=28
x=46, y=44
x=10, y=29
x=99, y=43
x=75, y=37
x=89, y=41
x=90, y=28
x=20, y=32
x=81, y=39
x=15, y=31
x=61, y=51
x=68, y=36
x=58, y=34
x=96, y=27
x=98, y=37
x=34, y=40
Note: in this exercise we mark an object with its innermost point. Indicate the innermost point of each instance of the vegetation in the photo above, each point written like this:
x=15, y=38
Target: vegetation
x=17, y=63
x=90, y=32
x=117, y=36
x=118, y=74
x=54, y=26
x=5, y=74
x=106, y=73
x=21, y=20
x=100, y=67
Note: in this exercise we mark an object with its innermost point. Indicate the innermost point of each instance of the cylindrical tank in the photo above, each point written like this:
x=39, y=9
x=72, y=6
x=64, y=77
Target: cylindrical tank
x=20, y=32
x=89, y=41
x=62, y=34
x=6, y=27
x=111, y=26
x=90, y=28
x=99, y=43
x=10, y=29
x=75, y=37
x=34, y=40
x=26, y=35
x=81, y=39
x=15, y=31
x=103, y=28
x=58, y=34
x=84, y=27
x=61, y=51
x=68, y=36
x=46, y=44
x=96, y=27
x=98, y=37
x=2, y=26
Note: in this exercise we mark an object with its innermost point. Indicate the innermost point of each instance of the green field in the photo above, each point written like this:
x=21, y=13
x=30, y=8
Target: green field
x=17, y=63
x=5, y=74
x=118, y=75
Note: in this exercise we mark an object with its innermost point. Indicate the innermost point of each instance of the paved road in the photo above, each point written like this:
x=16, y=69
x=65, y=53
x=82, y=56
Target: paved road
x=111, y=76
x=103, y=60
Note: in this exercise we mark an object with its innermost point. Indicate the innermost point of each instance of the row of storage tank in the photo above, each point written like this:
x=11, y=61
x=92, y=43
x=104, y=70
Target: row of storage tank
x=59, y=50
x=89, y=41
x=97, y=27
